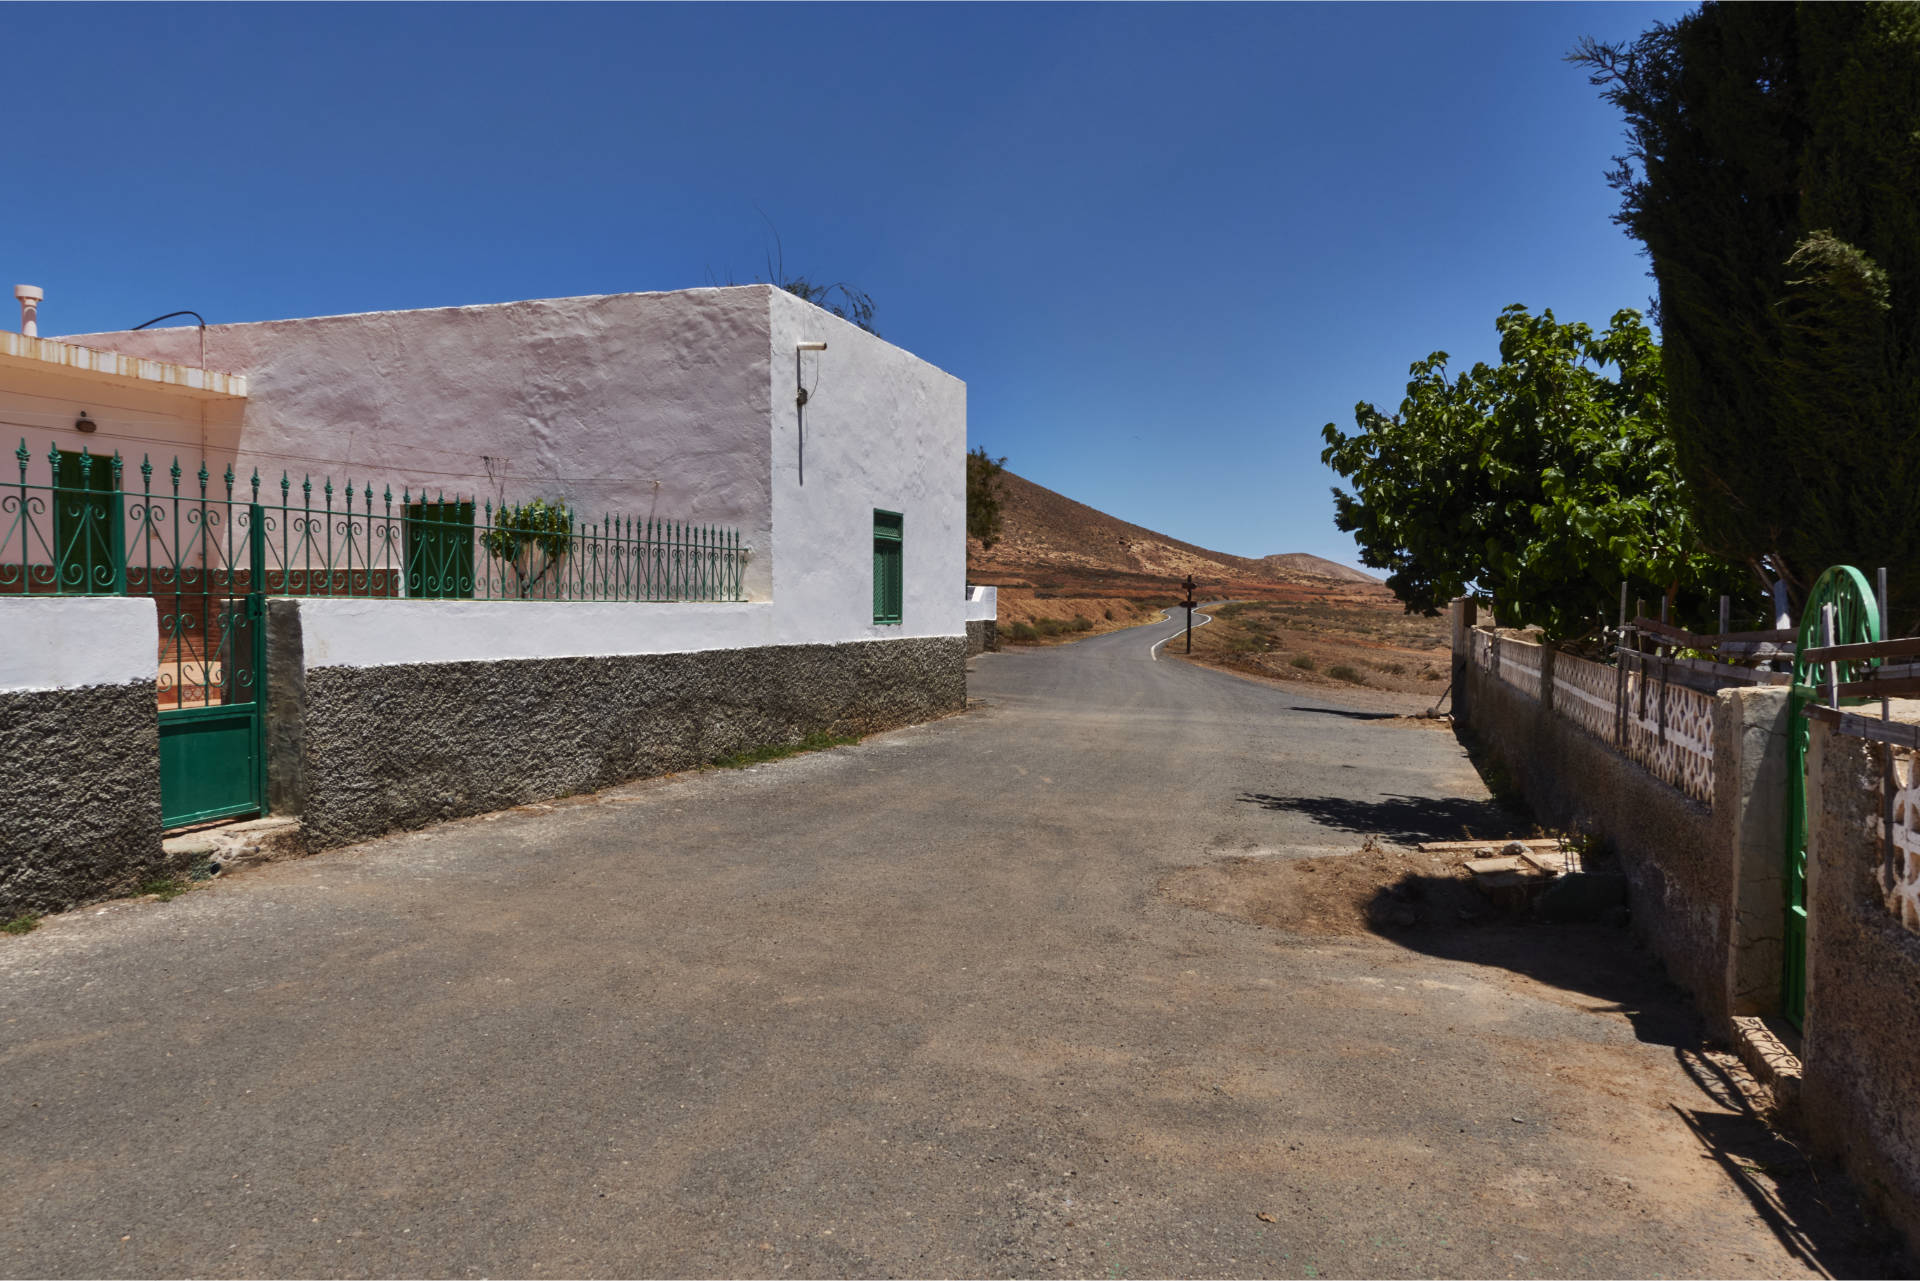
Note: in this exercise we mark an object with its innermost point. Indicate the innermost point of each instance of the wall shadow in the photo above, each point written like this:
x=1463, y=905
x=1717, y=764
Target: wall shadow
x=1811, y=1206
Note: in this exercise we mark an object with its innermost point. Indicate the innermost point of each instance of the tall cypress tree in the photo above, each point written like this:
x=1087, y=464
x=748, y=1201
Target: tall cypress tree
x=1773, y=175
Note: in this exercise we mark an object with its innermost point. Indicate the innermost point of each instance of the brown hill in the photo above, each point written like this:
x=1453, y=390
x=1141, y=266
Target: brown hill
x=1050, y=541
x=1317, y=566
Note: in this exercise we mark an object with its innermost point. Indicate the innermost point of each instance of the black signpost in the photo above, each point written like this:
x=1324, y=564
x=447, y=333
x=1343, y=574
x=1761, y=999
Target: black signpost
x=1189, y=585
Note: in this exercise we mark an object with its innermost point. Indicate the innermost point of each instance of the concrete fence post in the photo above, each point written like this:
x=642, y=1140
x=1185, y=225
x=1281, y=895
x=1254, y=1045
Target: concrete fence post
x=1749, y=810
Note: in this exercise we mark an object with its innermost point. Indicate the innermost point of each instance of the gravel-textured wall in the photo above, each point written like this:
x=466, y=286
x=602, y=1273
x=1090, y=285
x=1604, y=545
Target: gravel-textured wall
x=402, y=746
x=982, y=635
x=1679, y=867
x=1860, y=1098
x=80, y=771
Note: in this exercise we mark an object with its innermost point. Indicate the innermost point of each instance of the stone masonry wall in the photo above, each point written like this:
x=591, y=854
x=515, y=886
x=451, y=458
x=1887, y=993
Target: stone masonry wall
x=1860, y=1096
x=80, y=770
x=382, y=748
x=982, y=635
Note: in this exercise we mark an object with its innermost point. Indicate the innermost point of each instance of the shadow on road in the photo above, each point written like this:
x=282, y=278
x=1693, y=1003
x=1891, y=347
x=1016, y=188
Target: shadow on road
x=1348, y=713
x=1403, y=820
x=1810, y=1205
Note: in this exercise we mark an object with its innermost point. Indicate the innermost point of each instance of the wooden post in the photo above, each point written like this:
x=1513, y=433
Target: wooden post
x=1826, y=641
x=1886, y=749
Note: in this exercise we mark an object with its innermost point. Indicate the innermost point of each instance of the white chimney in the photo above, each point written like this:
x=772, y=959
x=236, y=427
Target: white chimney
x=29, y=296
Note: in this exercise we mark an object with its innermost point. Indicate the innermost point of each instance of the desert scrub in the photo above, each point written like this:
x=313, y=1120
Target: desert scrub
x=1304, y=662
x=1022, y=633
x=1341, y=672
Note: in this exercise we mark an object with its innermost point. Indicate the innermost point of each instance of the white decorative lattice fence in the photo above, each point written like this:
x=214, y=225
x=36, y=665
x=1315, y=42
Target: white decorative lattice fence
x=1520, y=665
x=1585, y=693
x=1900, y=878
x=1667, y=727
x=1480, y=649
x=1670, y=732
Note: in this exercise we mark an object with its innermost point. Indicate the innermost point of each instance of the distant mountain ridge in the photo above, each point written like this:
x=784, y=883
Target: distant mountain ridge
x=1050, y=534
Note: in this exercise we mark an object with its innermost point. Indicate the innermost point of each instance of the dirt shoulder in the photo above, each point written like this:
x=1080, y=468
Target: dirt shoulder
x=1351, y=646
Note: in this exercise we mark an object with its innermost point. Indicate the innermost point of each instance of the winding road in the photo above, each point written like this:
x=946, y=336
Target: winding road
x=914, y=1007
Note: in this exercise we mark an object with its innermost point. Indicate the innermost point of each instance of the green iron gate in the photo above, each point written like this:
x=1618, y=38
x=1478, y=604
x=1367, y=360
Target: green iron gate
x=202, y=559
x=1843, y=590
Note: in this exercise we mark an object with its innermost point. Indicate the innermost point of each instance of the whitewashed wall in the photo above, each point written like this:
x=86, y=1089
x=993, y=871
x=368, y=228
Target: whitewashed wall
x=633, y=404
x=983, y=603
x=884, y=429
x=71, y=642
x=386, y=633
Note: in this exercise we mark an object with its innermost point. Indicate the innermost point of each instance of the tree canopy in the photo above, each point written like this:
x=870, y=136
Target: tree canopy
x=1773, y=174
x=983, y=495
x=1542, y=479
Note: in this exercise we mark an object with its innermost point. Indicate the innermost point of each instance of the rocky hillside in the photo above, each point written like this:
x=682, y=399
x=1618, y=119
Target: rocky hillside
x=1049, y=540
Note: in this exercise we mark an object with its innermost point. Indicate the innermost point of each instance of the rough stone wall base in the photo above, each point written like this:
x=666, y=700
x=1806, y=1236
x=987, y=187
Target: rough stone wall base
x=982, y=635
x=80, y=773
x=1860, y=1089
x=383, y=748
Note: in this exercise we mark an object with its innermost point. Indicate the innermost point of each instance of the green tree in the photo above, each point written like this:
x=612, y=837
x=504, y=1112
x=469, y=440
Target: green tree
x=1541, y=480
x=983, y=495
x=1773, y=175
x=519, y=532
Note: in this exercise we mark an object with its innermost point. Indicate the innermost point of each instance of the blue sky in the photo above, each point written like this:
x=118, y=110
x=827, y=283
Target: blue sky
x=1162, y=245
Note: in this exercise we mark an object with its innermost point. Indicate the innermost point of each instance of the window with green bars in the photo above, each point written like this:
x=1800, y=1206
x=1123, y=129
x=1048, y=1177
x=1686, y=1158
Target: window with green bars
x=439, y=549
x=888, y=579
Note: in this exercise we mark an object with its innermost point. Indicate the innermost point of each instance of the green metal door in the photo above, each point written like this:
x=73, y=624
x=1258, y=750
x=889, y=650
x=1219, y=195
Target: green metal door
x=1856, y=621
x=89, y=534
x=439, y=550
x=888, y=578
x=212, y=607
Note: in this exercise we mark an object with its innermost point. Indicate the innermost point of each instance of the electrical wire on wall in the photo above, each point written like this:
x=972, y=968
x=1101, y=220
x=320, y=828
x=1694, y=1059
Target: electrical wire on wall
x=801, y=395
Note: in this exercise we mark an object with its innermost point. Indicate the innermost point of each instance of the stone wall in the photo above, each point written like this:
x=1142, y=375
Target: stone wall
x=1678, y=867
x=1860, y=1096
x=982, y=635
x=371, y=749
x=79, y=750
x=80, y=770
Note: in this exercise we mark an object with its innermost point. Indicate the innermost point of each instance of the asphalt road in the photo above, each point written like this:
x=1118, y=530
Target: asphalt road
x=907, y=1008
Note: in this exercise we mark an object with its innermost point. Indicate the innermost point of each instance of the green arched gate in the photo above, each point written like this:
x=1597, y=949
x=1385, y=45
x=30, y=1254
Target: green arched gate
x=1856, y=620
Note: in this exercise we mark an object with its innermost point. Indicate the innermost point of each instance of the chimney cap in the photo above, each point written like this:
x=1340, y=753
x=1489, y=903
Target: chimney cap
x=29, y=293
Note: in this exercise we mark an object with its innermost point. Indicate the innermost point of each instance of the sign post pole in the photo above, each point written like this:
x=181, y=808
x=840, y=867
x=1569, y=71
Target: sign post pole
x=1189, y=585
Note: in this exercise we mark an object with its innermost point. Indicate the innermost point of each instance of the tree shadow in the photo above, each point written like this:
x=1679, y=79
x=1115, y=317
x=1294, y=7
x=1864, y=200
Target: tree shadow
x=1404, y=820
x=1811, y=1206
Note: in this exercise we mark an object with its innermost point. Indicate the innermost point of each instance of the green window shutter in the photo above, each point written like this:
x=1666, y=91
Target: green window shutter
x=439, y=548
x=888, y=566
x=89, y=538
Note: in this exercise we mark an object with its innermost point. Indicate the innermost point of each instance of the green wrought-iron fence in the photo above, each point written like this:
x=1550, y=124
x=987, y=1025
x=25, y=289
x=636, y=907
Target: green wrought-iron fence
x=98, y=526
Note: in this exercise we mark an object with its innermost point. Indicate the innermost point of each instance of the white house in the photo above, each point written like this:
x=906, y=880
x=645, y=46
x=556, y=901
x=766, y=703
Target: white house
x=796, y=484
